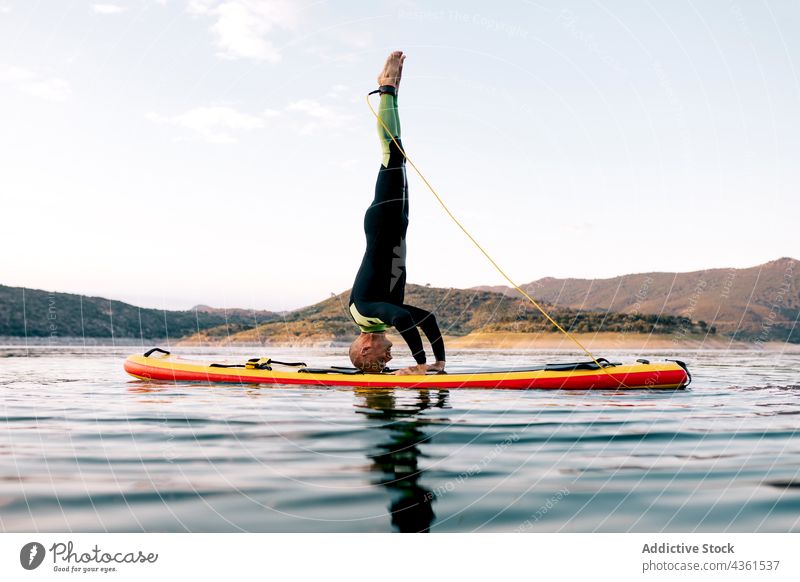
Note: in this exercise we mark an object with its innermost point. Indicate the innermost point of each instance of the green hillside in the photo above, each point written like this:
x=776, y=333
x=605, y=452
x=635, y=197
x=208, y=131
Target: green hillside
x=36, y=313
x=459, y=312
x=760, y=303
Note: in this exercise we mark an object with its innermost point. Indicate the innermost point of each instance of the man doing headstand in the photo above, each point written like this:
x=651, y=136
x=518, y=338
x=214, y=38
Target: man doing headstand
x=377, y=298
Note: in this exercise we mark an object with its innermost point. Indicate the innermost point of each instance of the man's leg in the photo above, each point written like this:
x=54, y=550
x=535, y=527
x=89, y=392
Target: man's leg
x=390, y=208
x=383, y=270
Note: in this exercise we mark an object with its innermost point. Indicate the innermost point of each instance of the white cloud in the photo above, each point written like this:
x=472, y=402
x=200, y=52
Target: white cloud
x=10, y=74
x=216, y=124
x=224, y=124
x=311, y=108
x=108, y=8
x=5, y=9
x=348, y=164
x=241, y=27
x=317, y=116
x=337, y=91
x=50, y=89
x=34, y=84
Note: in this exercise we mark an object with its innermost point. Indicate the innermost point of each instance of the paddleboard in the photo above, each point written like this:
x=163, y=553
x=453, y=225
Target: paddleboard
x=160, y=365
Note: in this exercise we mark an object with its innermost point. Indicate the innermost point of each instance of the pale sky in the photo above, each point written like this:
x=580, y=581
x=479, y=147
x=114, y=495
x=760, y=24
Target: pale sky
x=175, y=152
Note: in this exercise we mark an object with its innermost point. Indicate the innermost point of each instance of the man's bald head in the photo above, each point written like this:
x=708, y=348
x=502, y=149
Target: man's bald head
x=370, y=352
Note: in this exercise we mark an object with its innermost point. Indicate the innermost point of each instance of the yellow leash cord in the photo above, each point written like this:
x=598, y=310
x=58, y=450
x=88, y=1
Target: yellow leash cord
x=482, y=250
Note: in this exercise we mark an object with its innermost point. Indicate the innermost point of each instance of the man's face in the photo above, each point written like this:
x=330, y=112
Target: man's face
x=379, y=351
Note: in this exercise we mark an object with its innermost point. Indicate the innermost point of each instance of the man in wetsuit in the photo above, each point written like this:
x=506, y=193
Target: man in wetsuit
x=376, y=301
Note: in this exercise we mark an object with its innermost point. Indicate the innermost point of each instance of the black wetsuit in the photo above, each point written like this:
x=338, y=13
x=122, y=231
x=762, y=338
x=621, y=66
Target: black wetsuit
x=379, y=289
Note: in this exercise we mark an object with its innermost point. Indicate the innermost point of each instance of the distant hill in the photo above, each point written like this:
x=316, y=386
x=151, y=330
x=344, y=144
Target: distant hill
x=37, y=313
x=458, y=311
x=237, y=313
x=759, y=303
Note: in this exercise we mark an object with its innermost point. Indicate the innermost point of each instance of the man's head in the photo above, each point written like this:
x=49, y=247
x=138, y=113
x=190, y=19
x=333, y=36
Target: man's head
x=370, y=352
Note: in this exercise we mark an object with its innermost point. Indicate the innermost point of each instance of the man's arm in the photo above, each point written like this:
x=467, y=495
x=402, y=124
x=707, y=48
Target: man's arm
x=426, y=321
x=399, y=318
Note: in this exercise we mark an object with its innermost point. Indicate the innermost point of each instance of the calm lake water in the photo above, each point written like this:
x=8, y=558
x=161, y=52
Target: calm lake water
x=83, y=447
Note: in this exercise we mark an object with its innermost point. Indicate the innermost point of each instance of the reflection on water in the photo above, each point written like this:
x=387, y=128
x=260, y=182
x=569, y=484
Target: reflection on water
x=83, y=447
x=397, y=457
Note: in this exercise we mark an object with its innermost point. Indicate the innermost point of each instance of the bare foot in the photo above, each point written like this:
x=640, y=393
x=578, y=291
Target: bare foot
x=392, y=70
x=418, y=370
x=437, y=367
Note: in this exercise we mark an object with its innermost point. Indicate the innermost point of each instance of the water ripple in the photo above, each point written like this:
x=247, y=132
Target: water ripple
x=85, y=448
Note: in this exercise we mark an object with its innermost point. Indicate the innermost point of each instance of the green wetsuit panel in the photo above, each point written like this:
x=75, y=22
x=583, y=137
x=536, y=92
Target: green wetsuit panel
x=387, y=113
